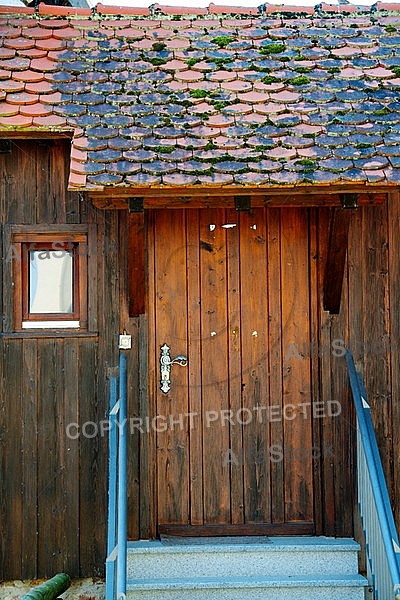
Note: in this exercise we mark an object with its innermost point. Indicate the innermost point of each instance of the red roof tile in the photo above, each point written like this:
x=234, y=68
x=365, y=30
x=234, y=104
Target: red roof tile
x=22, y=98
x=52, y=10
x=177, y=10
x=225, y=96
x=41, y=87
x=20, y=10
x=16, y=121
x=35, y=110
x=122, y=10
x=50, y=122
x=28, y=75
x=215, y=9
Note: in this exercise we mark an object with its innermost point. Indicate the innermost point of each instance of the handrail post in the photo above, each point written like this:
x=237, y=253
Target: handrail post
x=122, y=482
x=112, y=468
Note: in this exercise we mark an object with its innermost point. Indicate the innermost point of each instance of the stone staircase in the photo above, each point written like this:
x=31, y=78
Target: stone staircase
x=244, y=568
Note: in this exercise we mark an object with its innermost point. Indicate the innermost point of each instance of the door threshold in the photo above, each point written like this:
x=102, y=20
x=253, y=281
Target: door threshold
x=174, y=540
x=250, y=529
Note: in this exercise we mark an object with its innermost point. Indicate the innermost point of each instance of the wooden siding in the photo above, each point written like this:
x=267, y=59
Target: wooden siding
x=52, y=489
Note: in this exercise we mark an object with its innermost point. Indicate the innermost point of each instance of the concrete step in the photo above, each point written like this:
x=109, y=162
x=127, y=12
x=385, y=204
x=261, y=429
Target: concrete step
x=242, y=557
x=344, y=587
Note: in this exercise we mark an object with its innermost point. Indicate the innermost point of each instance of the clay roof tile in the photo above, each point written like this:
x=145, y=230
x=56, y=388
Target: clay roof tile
x=224, y=95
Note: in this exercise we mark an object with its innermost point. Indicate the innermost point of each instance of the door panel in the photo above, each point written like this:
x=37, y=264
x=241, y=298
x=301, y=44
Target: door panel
x=232, y=294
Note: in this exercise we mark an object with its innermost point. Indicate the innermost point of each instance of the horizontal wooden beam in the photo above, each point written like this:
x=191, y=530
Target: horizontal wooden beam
x=209, y=200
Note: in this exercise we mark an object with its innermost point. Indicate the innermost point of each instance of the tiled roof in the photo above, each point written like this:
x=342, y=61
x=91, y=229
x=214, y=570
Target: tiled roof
x=156, y=99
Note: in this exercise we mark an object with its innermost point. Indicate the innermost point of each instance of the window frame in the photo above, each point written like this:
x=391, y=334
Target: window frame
x=22, y=243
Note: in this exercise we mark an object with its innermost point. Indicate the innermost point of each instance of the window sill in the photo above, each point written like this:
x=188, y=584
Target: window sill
x=57, y=333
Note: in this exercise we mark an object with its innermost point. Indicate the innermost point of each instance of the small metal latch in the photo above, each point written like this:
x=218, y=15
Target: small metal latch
x=165, y=367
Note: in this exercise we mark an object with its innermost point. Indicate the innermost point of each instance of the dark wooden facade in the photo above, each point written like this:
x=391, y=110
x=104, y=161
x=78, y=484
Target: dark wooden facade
x=53, y=489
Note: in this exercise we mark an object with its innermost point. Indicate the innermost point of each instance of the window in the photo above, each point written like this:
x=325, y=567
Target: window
x=50, y=280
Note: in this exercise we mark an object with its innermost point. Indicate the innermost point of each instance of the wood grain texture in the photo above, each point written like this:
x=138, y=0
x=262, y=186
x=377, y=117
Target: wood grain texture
x=255, y=373
x=321, y=351
x=53, y=506
x=215, y=197
x=56, y=486
x=136, y=265
x=394, y=333
x=242, y=469
x=215, y=366
x=29, y=458
x=336, y=258
x=171, y=328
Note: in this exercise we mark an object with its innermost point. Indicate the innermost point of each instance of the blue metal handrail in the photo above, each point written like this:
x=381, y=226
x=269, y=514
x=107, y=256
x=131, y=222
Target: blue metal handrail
x=117, y=488
x=382, y=542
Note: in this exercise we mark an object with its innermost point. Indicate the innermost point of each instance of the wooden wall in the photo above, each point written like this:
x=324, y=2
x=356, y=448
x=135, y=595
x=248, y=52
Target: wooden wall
x=53, y=490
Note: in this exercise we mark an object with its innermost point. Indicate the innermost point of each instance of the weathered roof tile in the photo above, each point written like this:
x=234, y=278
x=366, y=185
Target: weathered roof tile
x=16, y=121
x=249, y=101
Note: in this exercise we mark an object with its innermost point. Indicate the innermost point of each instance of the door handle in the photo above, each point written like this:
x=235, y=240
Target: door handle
x=165, y=367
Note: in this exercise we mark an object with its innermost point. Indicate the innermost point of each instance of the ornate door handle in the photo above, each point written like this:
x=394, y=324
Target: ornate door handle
x=165, y=367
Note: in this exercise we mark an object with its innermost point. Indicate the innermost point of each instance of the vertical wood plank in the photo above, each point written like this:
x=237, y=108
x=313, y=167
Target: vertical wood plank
x=23, y=159
x=70, y=456
x=394, y=299
x=45, y=206
x=235, y=367
x=275, y=359
x=343, y=426
x=133, y=374
x=324, y=356
x=10, y=466
x=147, y=449
x=376, y=327
x=171, y=329
x=94, y=249
x=215, y=365
x=136, y=265
x=29, y=459
x=51, y=463
x=255, y=376
x=93, y=465
x=296, y=385
x=314, y=262
x=148, y=397
x=194, y=366
x=10, y=282
x=57, y=177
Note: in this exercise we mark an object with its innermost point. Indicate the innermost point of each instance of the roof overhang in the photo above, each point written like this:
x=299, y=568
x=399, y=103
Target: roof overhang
x=202, y=197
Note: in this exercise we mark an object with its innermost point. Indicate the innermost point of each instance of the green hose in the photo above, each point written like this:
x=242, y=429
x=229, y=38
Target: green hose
x=49, y=590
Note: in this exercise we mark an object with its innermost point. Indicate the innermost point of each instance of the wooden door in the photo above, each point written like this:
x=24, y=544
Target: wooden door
x=233, y=449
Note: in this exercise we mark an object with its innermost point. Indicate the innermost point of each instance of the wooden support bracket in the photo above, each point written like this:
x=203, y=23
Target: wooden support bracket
x=136, y=205
x=336, y=258
x=243, y=203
